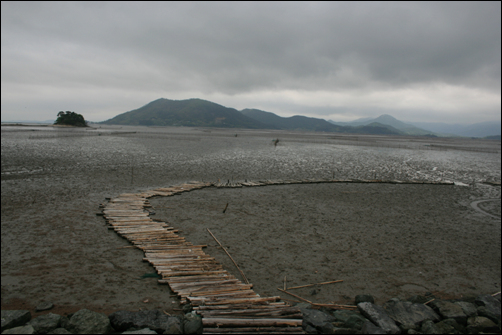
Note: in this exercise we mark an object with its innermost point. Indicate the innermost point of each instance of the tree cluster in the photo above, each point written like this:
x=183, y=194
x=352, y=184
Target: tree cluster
x=70, y=119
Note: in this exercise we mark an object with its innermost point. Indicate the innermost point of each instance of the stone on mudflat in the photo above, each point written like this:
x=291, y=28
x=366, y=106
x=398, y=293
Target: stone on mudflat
x=315, y=318
x=26, y=329
x=88, y=322
x=309, y=329
x=45, y=323
x=369, y=328
x=11, y=319
x=379, y=317
x=429, y=327
x=491, y=306
x=141, y=331
x=173, y=326
x=468, y=308
x=327, y=328
x=408, y=315
x=350, y=319
x=364, y=298
x=44, y=306
x=449, y=310
x=192, y=324
x=450, y=326
x=478, y=324
x=60, y=331
x=152, y=319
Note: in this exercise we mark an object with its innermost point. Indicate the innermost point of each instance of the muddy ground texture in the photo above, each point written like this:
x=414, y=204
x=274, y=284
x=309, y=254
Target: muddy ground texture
x=386, y=240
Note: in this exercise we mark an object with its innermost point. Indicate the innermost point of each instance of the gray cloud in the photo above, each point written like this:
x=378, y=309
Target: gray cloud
x=250, y=49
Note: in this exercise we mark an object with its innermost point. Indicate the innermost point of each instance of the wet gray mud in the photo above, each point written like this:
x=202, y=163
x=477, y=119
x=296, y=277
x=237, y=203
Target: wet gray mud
x=388, y=240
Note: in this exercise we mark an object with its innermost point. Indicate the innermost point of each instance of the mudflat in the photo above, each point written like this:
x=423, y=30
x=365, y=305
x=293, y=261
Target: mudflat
x=386, y=240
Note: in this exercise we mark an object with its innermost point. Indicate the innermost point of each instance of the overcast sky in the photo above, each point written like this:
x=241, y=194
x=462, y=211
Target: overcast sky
x=417, y=61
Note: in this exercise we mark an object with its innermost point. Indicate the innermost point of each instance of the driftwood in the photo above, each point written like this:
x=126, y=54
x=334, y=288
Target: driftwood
x=251, y=322
x=242, y=273
x=329, y=282
x=294, y=295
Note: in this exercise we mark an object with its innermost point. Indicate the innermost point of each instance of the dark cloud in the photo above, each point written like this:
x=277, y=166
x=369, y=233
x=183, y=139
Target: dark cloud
x=235, y=48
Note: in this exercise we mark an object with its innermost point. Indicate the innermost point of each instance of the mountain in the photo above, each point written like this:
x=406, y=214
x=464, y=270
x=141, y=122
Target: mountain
x=299, y=122
x=481, y=129
x=191, y=113
x=296, y=122
x=404, y=128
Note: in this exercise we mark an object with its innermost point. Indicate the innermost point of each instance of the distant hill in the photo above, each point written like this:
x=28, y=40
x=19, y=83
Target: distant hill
x=482, y=129
x=405, y=129
x=191, y=113
x=299, y=122
x=296, y=122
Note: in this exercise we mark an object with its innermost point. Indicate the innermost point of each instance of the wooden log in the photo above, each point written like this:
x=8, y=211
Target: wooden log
x=294, y=295
x=329, y=282
x=242, y=273
x=215, y=297
x=230, y=301
x=190, y=273
x=207, y=291
x=185, y=286
x=253, y=316
x=253, y=311
x=251, y=322
x=192, y=279
x=241, y=306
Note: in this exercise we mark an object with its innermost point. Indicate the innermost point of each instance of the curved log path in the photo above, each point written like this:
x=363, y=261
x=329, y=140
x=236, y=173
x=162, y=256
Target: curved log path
x=224, y=302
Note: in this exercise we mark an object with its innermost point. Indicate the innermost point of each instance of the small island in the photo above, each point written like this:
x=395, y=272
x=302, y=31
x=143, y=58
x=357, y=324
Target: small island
x=70, y=119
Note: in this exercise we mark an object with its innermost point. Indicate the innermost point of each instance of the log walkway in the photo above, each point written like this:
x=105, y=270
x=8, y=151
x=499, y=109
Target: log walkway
x=225, y=304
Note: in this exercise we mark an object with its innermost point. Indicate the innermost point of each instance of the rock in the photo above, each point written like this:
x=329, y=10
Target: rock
x=364, y=298
x=408, y=315
x=369, y=328
x=450, y=326
x=59, y=331
x=429, y=327
x=44, y=306
x=26, y=329
x=192, y=324
x=449, y=310
x=378, y=316
x=478, y=324
x=492, y=307
x=187, y=308
x=468, y=308
x=174, y=326
x=46, y=323
x=315, y=318
x=350, y=319
x=88, y=322
x=327, y=328
x=141, y=331
x=65, y=321
x=309, y=329
x=11, y=319
x=152, y=319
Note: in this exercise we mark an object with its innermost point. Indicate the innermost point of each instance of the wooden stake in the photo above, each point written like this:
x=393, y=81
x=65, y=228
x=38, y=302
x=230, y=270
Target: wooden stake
x=225, y=208
x=242, y=273
x=294, y=295
x=425, y=303
x=284, y=283
x=329, y=282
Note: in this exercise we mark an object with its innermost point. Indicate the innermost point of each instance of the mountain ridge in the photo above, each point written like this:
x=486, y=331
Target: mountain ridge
x=202, y=113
